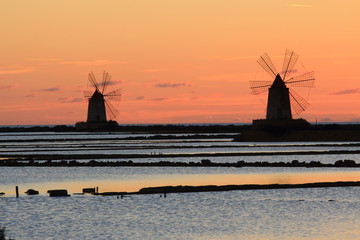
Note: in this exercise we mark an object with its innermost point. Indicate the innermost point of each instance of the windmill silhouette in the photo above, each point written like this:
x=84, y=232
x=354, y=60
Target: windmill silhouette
x=100, y=108
x=282, y=98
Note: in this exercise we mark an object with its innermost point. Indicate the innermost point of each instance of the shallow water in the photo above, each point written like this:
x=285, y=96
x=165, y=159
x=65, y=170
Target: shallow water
x=260, y=214
x=323, y=213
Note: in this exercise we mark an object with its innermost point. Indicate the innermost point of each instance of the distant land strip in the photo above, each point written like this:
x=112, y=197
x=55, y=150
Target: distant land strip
x=202, y=163
x=148, y=128
x=152, y=137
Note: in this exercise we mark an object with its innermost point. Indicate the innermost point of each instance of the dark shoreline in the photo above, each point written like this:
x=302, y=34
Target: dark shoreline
x=215, y=188
x=203, y=163
x=151, y=128
x=154, y=137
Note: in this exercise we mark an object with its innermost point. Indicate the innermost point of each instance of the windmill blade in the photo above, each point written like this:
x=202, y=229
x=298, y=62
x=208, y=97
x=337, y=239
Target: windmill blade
x=113, y=95
x=258, y=87
x=111, y=111
x=93, y=81
x=304, y=80
x=266, y=63
x=105, y=81
x=298, y=103
x=289, y=62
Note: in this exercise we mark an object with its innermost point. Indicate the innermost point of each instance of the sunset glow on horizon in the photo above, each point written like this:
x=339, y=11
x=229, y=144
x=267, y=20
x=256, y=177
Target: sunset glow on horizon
x=175, y=61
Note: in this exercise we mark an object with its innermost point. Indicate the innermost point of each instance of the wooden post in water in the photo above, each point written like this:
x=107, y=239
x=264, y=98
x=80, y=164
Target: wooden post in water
x=17, y=191
x=97, y=190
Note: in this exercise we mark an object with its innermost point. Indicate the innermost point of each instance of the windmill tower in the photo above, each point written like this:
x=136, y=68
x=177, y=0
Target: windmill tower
x=96, y=108
x=100, y=109
x=283, y=100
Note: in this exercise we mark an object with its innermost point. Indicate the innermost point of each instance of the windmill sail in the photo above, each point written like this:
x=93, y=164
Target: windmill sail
x=298, y=103
x=304, y=80
x=93, y=81
x=267, y=65
x=111, y=111
x=289, y=63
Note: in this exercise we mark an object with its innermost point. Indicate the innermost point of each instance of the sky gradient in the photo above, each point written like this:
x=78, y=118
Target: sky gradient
x=175, y=61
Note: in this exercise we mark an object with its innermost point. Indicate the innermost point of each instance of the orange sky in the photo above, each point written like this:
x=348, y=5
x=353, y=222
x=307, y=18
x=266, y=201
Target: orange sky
x=185, y=61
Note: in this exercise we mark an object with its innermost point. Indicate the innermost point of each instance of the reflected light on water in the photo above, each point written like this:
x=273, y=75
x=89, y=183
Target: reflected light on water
x=205, y=179
x=130, y=185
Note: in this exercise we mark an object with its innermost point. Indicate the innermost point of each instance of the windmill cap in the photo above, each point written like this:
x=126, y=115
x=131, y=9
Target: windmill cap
x=278, y=82
x=97, y=95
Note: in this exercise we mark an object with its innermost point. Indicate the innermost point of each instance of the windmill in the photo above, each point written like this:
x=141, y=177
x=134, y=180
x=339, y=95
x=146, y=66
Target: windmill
x=283, y=100
x=100, y=108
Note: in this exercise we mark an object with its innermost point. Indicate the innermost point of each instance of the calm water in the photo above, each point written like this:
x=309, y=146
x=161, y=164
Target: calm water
x=326, y=213
x=263, y=214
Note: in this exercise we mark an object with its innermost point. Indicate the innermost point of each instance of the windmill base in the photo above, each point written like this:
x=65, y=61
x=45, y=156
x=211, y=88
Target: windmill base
x=88, y=126
x=283, y=124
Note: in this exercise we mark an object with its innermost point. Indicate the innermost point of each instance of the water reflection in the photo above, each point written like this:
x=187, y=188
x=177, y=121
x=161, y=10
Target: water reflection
x=133, y=181
x=226, y=179
x=264, y=214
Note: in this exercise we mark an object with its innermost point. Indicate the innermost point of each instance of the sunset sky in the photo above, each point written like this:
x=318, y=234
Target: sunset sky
x=176, y=61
